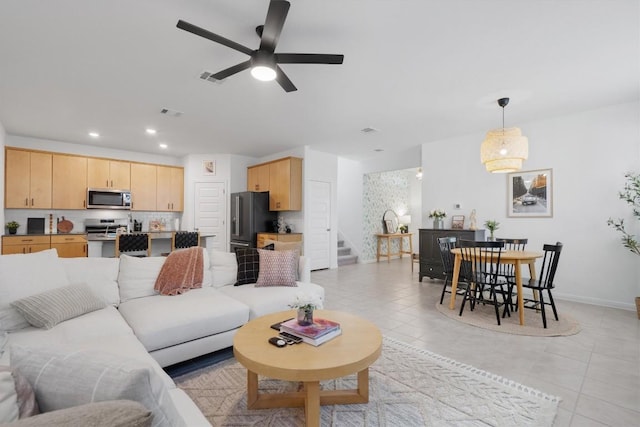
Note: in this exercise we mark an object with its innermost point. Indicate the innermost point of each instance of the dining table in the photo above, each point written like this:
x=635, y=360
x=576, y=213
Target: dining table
x=516, y=258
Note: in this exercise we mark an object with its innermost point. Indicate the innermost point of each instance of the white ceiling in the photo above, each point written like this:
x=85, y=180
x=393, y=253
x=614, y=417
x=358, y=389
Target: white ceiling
x=417, y=70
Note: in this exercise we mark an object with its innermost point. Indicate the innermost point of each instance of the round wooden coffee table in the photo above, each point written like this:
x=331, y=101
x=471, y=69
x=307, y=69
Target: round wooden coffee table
x=352, y=352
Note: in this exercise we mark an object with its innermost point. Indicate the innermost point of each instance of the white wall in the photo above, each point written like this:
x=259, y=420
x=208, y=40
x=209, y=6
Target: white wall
x=349, y=199
x=589, y=154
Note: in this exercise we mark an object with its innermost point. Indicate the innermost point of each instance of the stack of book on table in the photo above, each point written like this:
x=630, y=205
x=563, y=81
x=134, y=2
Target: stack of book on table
x=321, y=331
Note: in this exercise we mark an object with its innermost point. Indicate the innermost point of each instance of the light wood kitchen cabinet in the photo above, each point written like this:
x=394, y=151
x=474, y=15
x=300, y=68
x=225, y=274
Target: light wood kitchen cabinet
x=285, y=184
x=279, y=237
x=143, y=187
x=25, y=244
x=105, y=173
x=258, y=177
x=69, y=182
x=27, y=179
x=69, y=246
x=170, y=189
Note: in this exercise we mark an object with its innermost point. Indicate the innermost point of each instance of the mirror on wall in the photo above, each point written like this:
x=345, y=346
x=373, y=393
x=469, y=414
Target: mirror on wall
x=390, y=222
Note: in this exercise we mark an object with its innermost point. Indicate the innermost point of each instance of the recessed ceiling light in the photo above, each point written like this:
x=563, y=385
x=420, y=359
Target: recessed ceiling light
x=151, y=131
x=94, y=134
x=163, y=146
x=378, y=150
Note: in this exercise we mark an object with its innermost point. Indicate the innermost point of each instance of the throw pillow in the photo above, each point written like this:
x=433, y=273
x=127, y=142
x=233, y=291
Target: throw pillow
x=276, y=245
x=115, y=413
x=277, y=268
x=26, y=398
x=9, y=411
x=224, y=268
x=63, y=380
x=137, y=276
x=24, y=275
x=101, y=275
x=49, y=308
x=248, y=266
x=11, y=320
x=270, y=247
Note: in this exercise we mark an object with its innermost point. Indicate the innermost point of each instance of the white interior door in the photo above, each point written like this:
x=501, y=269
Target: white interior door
x=210, y=213
x=318, y=242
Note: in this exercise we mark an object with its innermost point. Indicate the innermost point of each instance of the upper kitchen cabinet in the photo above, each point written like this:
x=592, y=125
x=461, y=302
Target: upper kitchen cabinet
x=69, y=182
x=105, y=173
x=143, y=187
x=258, y=177
x=170, y=188
x=285, y=184
x=27, y=179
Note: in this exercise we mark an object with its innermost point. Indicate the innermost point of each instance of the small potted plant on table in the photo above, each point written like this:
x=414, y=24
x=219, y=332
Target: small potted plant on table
x=12, y=226
x=492, y=226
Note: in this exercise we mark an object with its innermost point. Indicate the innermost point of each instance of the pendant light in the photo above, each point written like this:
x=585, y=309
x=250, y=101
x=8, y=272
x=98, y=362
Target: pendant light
x=503, y=150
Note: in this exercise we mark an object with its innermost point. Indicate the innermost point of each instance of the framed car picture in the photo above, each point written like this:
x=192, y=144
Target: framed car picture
x=530, y=194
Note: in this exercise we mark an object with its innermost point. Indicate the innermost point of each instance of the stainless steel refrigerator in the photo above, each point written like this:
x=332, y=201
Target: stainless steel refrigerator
x=250, y=215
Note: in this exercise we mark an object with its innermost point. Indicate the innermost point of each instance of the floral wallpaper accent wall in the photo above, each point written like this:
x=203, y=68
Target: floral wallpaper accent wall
x=382, y=191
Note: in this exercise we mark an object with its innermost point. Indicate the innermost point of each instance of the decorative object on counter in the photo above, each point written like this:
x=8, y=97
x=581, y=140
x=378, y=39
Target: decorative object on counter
x=438, y=215
x=306, y=303
x=390, y=222
x=630, y=194
x=64, y=225
x=50, y=223
x=287, y=228
x=473, y=221
x=281, y=225
x=157, y=225
x=492, y=226
x=12, y=226
x=457, y=222
x=35, y=226
x=405, y=220
x=137, y=226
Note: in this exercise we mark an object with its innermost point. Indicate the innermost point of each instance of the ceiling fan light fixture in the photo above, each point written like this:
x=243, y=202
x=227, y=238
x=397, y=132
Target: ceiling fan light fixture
x=263, y=73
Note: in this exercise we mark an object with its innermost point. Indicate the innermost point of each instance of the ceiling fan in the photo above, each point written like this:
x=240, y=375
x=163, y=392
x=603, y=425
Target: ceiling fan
x=264, y=61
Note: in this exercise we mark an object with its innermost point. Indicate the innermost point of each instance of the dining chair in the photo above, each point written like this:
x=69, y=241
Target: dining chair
x=184, y=239
x=480, y=269
x=544, y=283
x=138, y=244
x=446, y=244
x=507, y=271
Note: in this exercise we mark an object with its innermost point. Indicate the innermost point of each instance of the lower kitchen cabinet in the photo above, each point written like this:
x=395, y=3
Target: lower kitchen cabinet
x=68, y=246
x=430, y=261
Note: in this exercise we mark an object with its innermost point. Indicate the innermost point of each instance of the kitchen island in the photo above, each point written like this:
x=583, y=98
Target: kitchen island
x=104, y=244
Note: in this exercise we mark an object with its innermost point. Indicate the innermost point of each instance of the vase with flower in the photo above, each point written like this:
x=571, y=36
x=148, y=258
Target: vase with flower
x=438, y=216
x=306, y=304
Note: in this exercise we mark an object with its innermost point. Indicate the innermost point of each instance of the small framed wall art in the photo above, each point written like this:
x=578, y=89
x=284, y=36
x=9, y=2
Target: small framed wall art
x=530, y=194
x=208, y=167
x=457, y=222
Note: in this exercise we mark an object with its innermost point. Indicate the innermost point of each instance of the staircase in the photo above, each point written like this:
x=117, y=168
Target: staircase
x=344, y=255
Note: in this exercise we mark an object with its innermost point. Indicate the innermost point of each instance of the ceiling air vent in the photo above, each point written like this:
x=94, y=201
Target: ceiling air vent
x=208, y=76
x=369, y=130
x=172, y=113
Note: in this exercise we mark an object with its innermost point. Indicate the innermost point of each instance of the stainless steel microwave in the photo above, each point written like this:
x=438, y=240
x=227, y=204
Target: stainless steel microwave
x=107, y=198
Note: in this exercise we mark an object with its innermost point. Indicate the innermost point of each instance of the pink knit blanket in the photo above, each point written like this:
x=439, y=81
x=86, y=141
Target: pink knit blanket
x=183, y=270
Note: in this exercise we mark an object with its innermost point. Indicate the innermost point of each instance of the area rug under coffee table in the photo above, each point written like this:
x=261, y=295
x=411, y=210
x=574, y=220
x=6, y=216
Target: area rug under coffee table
x=408, y=387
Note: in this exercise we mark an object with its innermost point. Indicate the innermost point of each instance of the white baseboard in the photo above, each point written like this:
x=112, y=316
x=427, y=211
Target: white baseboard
x=595, y=301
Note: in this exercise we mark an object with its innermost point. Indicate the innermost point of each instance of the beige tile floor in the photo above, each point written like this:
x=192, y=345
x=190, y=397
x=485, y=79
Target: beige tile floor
x=596, y=372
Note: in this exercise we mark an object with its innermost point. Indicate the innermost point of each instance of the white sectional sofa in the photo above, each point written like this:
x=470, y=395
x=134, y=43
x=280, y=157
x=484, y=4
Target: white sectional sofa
x=137, y=324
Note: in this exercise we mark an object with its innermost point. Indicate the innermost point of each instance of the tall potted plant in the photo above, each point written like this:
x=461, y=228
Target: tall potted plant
x=630, y=194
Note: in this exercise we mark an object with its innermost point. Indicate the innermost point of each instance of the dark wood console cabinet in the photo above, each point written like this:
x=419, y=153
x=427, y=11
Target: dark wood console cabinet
x=430, y=261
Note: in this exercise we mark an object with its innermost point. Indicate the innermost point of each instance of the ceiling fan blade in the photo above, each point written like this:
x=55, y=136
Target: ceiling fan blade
x=273, y=24
x=284, y=81
x=232, y=70
x=308, y=58
x=183, y=25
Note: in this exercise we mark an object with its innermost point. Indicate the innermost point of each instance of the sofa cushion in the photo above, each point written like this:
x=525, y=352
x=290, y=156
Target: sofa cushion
x=26, y=398
x=24, y=275
x=100, y=274
x=113, y=413
x=267, y=300
x=9, y=410
x=63, y=379
x=224, y=268
x=47, y=309
x=277, y=268
x=248, y=266
x=137, y=276
x=164, y=321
